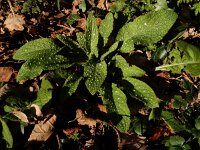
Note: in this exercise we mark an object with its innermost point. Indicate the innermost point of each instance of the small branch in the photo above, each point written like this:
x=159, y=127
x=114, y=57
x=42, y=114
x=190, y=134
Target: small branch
x=11, y=7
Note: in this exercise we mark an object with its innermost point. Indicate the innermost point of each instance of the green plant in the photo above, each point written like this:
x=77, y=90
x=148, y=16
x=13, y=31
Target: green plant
x=99, y=61
x=31, y=6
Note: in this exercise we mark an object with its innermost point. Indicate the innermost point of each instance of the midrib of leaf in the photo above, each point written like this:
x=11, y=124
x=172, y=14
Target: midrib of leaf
x=177, y=64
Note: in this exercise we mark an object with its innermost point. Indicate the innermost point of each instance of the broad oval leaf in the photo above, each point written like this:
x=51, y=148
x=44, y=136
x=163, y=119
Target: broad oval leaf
x=140, y=90
x=26, y=73
x=106, y=27
x=128, y=71
x=91, y=35
x=6, y=134
x=45, y=94
x=35, y=48
x=96, y=73
x=116, y=105
x=186, y=57
x=148, y=29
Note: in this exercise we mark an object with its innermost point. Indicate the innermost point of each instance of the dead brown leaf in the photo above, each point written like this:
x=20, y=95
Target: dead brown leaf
x=14, y=22
x=21, y=116
x=6, y=73
x=43, y=130
x=83, y=120
x=81, y=23
x=101, y=4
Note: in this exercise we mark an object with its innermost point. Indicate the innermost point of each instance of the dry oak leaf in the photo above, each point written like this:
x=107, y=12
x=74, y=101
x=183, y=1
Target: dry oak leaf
x=43, y=130
x=14, y=22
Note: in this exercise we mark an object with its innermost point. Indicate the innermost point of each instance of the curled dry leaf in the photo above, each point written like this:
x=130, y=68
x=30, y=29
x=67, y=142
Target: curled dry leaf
x=36, y=111
x=43, y=130
x=6, y=73
x=14, y=22
x=21, y=116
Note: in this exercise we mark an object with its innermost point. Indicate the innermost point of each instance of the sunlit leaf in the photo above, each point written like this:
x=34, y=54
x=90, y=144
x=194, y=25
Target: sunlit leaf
x=186, y=57
x=96, y=74
x=116, y=104
x=91, y=35
x=106, y=27
x=149, y=28
x=141, y=91
x=45, y=94
x=6, y=134
x=128, y=71
x=35, y=48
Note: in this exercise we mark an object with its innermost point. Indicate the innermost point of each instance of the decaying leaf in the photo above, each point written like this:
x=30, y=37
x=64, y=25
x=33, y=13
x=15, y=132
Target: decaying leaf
x=43, y=130
x=21, y=116
x=35, y=109
x=83, y=120
x=14, y=22
x=6, y=73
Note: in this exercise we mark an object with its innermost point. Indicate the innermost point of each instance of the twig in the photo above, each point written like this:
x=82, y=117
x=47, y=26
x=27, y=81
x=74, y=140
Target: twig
x=11, y=7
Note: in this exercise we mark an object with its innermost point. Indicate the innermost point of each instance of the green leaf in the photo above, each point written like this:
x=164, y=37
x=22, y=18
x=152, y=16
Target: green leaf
x=96, y=73
x=197, y=123
x=72, y=18
x=36, y=48
x=111, y=49
x=91, y=36
x=196, y=7
x=45, y=94
x=176, y=140
x=128, y=71
x=106, y=27
x=81, y=40
x=141, y=91
x=186, y=57
x=179, y=102
x=127, y=46
x=6, y=134
x=148, y=29
x=82, y=5
x=26, y=73
x=116, y=103
x=73, y=86
x=175, y=125
x=34, y=67
x=161, y=4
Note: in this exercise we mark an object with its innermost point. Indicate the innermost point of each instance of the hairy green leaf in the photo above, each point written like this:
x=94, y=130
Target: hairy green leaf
x=6, y=134
x=34, y=67
x=36, y=48
x=91, y=35
x=73, y=86
x=148, y=29
x=175, y=125
x=111, y=49
x=26, y=73
x=45, y=94
x=106, y=27
x=96, y=73
x=140, y=90
x=127, y=46
x=128, y=71
x=116, y=104
x=81, y=40
x=185, y=56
